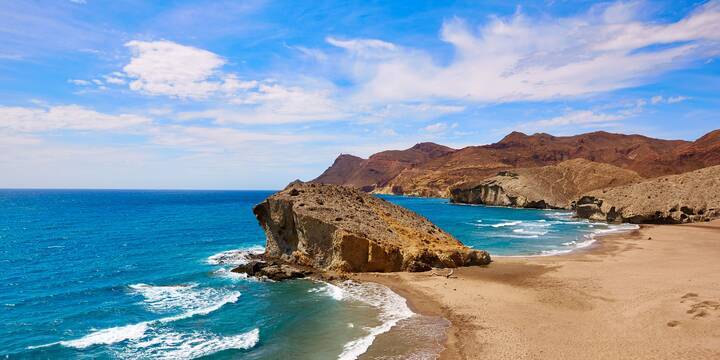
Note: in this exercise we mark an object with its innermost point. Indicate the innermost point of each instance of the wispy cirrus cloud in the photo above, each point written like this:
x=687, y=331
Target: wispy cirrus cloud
x=537, y=59
x=65, y=117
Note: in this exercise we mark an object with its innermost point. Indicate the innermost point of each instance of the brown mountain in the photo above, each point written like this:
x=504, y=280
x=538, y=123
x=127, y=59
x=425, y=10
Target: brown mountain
x=704, y=151
x=434, y=175
x=378, y=169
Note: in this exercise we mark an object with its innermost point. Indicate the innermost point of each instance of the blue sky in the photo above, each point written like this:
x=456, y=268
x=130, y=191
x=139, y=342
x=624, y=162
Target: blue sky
x=254, y=94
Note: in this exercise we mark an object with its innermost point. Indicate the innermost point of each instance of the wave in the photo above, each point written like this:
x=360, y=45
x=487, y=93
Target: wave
x=174, y=345
x=158, y=299
x=235, y=257
x=514, y=236
x=393, y=308
x=509, y=223
x=228, y=274
x=330, y=290
x=591, y=238
x=530, y=232
x=103, y=337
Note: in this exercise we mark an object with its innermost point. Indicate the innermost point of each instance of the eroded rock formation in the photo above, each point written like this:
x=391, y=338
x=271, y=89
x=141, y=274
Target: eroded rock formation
x=688, y=197
x=546, y=187
x=337, y=228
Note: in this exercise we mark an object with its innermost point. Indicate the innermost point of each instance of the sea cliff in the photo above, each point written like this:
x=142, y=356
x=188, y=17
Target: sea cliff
x=337, y=228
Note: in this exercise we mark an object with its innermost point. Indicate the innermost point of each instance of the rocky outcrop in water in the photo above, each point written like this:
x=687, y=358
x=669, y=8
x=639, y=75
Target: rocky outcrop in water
x=337, y=228
x=689, y=197
x=546, y=187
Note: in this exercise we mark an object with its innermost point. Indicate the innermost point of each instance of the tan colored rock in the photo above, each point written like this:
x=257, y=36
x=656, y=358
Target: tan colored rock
x=689, y=197
x=552, y=186
x=332, y=227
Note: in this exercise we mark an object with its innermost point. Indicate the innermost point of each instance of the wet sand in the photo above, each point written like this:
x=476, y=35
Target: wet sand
x=650, y=294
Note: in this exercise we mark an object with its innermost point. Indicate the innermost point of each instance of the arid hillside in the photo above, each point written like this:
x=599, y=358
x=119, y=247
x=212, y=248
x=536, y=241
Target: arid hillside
x=431, y=170
x=545, y=187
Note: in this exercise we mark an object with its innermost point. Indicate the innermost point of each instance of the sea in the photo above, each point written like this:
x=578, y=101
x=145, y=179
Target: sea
x=128, y=274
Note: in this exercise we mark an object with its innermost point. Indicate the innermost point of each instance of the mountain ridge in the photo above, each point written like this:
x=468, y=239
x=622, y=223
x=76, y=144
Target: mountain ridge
x=429, y=169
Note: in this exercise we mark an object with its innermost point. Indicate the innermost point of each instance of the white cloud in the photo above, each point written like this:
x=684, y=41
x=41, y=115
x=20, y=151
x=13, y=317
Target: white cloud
x=667, y=100
x=315, y=54
x=79, y=82
x=114, y=80
x=537, y=59
x=217, y=139
x=363, y=47
x=676, y=99
x=65, y=117
x=170, y=69
x=583, y=117
x=406, y=111
x=436, y=127
x=272, y=103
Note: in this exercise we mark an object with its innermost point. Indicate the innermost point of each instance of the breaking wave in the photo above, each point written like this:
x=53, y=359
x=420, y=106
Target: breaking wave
x=188, y=299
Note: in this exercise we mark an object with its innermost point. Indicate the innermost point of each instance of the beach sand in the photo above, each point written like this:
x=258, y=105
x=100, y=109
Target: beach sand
x=650, y=294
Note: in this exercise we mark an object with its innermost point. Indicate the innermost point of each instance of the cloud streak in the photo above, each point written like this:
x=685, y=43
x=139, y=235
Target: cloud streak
x=524, y=59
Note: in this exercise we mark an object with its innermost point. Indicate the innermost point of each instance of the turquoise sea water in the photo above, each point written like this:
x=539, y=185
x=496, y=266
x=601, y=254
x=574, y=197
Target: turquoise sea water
x=509, y=231
x=144, y=274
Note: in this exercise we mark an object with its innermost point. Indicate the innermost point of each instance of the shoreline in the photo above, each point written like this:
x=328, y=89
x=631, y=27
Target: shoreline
x=495, y=311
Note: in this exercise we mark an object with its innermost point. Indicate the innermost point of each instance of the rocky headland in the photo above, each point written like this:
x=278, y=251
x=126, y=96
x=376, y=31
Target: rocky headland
x=688, y=197
x=546, y=187
x=315, y=227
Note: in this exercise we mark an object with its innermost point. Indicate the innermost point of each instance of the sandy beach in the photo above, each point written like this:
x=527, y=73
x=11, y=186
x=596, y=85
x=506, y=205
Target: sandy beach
x=650, y=294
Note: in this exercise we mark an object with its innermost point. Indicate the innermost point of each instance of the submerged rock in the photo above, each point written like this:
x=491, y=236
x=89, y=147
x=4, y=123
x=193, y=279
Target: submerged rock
x=688, y=197
x=546, y=187
x=337, y=228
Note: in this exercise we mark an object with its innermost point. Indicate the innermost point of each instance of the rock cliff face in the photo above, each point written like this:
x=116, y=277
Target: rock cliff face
x=435, y=174
x=546, y=187
x=330, y=227
x=688, y=197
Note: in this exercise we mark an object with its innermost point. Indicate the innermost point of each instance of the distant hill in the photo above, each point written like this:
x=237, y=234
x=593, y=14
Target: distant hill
x=429, y=169
x=545, y=187
x=378, y=169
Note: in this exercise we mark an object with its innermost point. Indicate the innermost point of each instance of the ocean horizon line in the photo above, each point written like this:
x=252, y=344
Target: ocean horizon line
x=125, y=189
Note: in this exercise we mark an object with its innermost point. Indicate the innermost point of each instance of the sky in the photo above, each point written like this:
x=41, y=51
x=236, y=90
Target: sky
x=254, y=94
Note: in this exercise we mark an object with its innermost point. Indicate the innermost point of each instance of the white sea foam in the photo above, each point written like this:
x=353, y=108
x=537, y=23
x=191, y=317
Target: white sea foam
x=226, y=273
x=517, y=236
x=187, y=298
x=166, y=344
x=235, y=257
x=393, y=308
x=529, y=232
x=330, y=290
x=509, y=223
x=104, y=337
x=590, y=239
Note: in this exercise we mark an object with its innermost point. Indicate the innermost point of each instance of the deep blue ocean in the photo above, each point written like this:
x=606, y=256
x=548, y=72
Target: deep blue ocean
x=113, y=274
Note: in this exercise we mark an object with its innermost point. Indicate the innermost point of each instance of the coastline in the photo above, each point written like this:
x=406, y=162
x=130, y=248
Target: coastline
x=649, y=293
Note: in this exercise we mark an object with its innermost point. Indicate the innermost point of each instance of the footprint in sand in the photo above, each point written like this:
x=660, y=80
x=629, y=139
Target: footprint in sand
x=700, y=309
